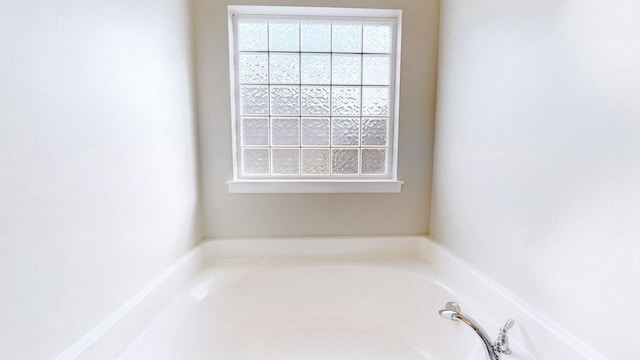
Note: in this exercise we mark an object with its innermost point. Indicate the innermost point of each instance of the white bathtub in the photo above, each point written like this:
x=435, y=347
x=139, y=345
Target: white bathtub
x=309, y=309
x=330, y=299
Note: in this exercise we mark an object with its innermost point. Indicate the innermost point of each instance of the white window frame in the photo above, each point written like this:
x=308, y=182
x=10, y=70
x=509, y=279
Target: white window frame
x=359, y=184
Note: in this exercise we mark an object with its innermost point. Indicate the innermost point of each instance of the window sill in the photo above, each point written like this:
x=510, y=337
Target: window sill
x=314, y=186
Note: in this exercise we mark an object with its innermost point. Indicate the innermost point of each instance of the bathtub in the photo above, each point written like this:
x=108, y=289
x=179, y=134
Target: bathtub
x=314, y=298
x=310, y=309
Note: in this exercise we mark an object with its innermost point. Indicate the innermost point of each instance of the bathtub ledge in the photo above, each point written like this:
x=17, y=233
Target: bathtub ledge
x=539, y=335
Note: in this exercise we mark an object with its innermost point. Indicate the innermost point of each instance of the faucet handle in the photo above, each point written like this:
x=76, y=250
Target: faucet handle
x=508, y=325
x=502, y=342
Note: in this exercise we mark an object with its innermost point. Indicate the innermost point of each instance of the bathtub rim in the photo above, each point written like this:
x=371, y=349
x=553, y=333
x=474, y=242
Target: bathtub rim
x=534, y=331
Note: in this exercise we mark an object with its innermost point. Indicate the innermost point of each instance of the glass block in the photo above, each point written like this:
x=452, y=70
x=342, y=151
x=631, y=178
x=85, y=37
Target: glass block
x=315, y=131
x=285, y=100
x=375, y=101
x=374, y=161
x=344, y=161
x=252, y=35
x=254, y=68
x=284, y=35
x=284, y=68
x=347, y=37
x=315, y=69
x=345, y=101
x=285, y=131
x=345, y=131
x=315, y=36
x=286, y=161
x=377, y=38
x=346, y=69
x=255, y=131
x=375, y=69
x=315, y=100
x=255, y=161
x=254, y=100
x=375, y=131
x=315, y=161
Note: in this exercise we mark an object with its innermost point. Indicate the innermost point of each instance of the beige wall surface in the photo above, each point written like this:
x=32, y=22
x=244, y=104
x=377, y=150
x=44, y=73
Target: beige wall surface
x=537, y=159
x=98, y=181
x=251, y=215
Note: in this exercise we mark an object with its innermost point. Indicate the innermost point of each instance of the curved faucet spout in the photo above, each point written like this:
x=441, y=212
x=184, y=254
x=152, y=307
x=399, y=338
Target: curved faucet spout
x=452, y=312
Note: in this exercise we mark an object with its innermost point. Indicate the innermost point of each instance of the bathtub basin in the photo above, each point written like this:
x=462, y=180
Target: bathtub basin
x=324, y=298
x=311, y=309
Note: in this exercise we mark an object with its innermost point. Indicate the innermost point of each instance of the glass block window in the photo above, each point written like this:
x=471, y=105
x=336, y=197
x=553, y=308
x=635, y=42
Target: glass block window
x=315, y=96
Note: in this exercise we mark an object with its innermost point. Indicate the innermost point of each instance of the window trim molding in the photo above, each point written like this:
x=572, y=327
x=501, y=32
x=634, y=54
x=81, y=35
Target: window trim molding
x=243, y=186
x=361, y=184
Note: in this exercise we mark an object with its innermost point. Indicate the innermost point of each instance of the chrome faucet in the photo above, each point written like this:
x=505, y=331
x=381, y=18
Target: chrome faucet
x=495, y=349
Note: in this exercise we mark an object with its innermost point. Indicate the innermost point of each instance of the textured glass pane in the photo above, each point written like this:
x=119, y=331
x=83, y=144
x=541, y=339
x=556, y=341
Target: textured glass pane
x=374, y=161
x=347, y=37
x=374, y=131
x=345, y=131
x=346, y=69
x=376, y=38
x=315, y=36
x=284, y=35
x=315, y=100
x=285, y=100
x=315, y=131
x=345, y=101
x=255, y=131
x=253, y=68
x=255, y=162
x=375, y=101
x=286, y=161
x=252, y=35
x=375, y=69
x=345, y=161
x=315, y=162
x=284, y=68
x=316, y=69
x=285, y=131
x=254, y=100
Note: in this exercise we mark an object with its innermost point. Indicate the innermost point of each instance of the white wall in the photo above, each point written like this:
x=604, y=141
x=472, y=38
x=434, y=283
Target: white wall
x=98, y=184
x=242, y=215
x=537, y=159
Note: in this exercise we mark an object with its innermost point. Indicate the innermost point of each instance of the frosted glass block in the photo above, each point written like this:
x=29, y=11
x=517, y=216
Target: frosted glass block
x=286, y=161
x=254, y=100
x=285, y=131
x=285, y=100
x=255, y=131
x=254, y=68
x=315, y=100
x=284, y=35
x=253, y=35
x=345, y=101
x=315, y=69
x=375, y=69
x=284, y=68
x=255, y=162
x=315, y=131
x=346, y=69
x=375, y=101
x=375, y=131
x=345, y=131
x=315, y=36
x=347, y=37
x=315, y=161
x=377, y=38
x=374, y=161
x=344, y=161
